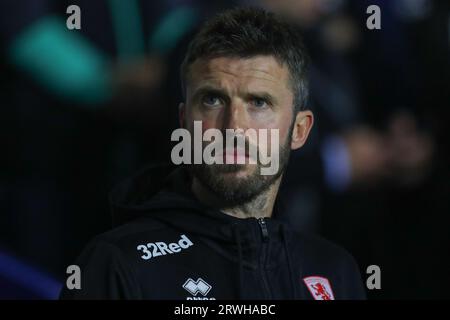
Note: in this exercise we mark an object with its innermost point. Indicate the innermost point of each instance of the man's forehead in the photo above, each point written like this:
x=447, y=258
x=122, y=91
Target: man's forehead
x=259, y=68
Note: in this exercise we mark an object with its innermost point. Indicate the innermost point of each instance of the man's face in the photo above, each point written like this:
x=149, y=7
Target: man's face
x=237, y=93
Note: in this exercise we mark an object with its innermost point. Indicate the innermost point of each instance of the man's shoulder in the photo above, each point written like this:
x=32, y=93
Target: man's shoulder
x=115, y=252
x=323, y=259
x=320, y=251
x=128, y=236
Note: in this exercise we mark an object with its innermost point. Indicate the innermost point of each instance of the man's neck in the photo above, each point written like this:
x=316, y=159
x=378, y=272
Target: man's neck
x=259, y=207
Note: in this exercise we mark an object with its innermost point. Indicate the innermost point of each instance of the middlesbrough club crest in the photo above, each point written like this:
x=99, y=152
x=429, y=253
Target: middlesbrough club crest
x=319, y=287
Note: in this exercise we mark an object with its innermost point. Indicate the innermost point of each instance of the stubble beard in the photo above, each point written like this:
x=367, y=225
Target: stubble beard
x=226, y=183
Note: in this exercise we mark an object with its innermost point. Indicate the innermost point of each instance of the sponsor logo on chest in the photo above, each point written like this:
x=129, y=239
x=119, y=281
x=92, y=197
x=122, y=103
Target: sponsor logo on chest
x=157, y=249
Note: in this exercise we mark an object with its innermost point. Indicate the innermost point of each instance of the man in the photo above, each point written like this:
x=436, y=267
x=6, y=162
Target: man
x=210, y=231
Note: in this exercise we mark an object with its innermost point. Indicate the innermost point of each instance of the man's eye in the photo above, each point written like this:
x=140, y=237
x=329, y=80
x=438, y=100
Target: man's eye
x=259, y=103
x=211, y=101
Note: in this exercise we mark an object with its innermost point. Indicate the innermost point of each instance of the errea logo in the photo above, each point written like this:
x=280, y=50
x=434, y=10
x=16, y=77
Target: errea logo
x=156, y=249
x=195, y=287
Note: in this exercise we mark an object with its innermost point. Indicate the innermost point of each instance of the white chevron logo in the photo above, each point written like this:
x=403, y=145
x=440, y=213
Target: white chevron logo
x=194, y=287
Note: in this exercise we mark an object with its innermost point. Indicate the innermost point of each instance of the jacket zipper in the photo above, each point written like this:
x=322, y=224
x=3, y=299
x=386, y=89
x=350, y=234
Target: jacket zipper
x=263, y=225
x=263, y=257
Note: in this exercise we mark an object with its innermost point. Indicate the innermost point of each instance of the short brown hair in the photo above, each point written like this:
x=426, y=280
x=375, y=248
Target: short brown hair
x=247, y=32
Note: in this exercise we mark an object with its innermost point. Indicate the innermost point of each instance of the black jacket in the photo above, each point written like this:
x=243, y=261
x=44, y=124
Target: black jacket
x=169, y=246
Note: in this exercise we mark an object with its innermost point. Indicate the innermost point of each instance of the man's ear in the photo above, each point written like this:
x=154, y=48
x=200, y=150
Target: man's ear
x=181, y=114
x=303, y=123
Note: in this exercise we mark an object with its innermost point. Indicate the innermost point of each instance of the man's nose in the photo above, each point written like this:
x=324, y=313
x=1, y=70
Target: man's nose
x=235, y=116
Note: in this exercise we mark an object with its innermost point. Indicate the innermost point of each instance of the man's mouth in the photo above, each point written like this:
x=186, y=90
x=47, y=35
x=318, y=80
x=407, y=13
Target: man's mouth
x=234, y=156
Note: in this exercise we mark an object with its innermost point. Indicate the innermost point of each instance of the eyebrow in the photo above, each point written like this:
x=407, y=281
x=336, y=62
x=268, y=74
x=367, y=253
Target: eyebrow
x=224, y=95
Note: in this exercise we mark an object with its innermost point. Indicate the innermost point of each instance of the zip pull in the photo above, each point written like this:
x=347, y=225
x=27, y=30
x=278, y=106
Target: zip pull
x=264, y=231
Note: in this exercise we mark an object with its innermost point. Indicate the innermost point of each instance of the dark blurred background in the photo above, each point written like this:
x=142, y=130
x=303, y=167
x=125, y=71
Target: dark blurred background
x=80, y=110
